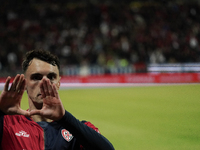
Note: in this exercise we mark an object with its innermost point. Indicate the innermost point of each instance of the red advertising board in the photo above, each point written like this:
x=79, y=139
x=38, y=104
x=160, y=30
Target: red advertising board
x=136, y=78
x=133, y=78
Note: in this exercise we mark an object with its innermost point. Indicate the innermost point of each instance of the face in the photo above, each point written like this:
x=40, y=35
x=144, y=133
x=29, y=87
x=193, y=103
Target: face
x=38, y=70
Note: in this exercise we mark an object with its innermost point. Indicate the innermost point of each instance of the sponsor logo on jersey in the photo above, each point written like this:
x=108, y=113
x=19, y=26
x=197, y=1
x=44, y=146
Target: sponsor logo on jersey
x=66, y=135
x=22, y=133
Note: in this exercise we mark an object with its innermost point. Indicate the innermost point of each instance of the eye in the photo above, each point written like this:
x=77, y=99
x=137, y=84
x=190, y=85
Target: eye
x=51, y=76
x=36, y=77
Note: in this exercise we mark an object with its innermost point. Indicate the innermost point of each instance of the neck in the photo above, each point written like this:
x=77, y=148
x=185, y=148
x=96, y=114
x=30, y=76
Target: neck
x=37, y=118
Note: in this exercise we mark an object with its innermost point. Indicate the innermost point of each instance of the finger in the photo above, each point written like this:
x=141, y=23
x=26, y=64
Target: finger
x=35, y=112
x=15, y=82
x=50, y=88
x=18, y=86
x=45, y=85
x=22, y=87
x=17, y=111
x=6, y=86
x=42, y=90
x=55, y=91
x=23, y=112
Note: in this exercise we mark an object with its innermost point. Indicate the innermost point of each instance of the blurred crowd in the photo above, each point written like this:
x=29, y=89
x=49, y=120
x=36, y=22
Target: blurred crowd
x=99, y=34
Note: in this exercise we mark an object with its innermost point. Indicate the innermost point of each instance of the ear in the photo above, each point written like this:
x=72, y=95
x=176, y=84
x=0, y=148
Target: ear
x=58, y=84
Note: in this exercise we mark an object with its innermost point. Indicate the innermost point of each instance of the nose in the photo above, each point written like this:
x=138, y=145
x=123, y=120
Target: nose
x=43, y=81
x=45, y=77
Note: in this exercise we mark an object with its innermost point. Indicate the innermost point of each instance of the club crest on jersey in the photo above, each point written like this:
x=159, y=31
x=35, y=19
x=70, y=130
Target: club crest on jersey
x=66, y=135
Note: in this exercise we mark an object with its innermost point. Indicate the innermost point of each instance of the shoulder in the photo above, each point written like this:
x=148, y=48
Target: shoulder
x=18, y=120
x=14, y=118
x=89, y=124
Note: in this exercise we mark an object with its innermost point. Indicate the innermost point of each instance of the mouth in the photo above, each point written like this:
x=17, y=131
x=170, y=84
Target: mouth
x=39, y=95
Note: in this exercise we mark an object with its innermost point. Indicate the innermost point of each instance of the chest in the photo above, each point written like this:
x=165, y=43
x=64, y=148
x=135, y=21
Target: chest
x=23, y=134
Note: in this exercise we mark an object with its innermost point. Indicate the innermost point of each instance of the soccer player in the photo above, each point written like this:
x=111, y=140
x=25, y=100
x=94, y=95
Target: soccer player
x=46, y=125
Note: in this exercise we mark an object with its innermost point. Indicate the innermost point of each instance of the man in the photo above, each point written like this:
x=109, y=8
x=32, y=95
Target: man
x=46, y=124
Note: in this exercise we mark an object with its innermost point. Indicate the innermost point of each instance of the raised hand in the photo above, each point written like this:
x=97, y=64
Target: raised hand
x=10, y=98
x=52, y=105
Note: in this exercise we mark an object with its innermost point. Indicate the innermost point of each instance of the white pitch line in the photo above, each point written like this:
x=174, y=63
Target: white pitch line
x=103, y=85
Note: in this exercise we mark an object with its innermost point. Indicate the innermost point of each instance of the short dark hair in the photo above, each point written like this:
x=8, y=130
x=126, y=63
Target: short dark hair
x=41, y=55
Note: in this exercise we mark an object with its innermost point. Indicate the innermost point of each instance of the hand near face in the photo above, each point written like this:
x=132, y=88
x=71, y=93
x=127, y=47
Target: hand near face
x=10, y=98
x=52, y=105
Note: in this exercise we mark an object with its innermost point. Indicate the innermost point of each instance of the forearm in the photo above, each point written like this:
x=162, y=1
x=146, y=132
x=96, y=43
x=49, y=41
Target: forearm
x=89, y=138
x=1, y=125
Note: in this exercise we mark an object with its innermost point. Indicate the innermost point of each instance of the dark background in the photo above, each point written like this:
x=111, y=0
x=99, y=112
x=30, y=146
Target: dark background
x=107, y=34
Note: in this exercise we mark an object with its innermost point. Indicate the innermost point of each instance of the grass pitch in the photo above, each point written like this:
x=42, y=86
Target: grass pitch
x=141, y=118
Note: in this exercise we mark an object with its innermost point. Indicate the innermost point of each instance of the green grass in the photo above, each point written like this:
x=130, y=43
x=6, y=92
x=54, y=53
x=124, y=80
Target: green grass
x=140, y=118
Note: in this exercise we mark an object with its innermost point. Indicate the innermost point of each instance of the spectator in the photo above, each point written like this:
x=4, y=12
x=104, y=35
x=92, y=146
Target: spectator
x=131, y=31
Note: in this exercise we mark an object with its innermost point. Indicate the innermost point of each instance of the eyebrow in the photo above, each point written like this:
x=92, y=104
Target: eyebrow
x=51, y=74
x=35, y=74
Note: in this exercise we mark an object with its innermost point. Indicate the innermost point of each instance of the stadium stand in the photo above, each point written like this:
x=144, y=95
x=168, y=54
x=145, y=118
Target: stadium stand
x=100, y=38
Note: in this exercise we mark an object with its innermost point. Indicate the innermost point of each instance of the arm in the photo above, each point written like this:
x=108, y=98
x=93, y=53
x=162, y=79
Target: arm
x=1, y=125
x=10, y=99
x=53, y=109
x=89, y=138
